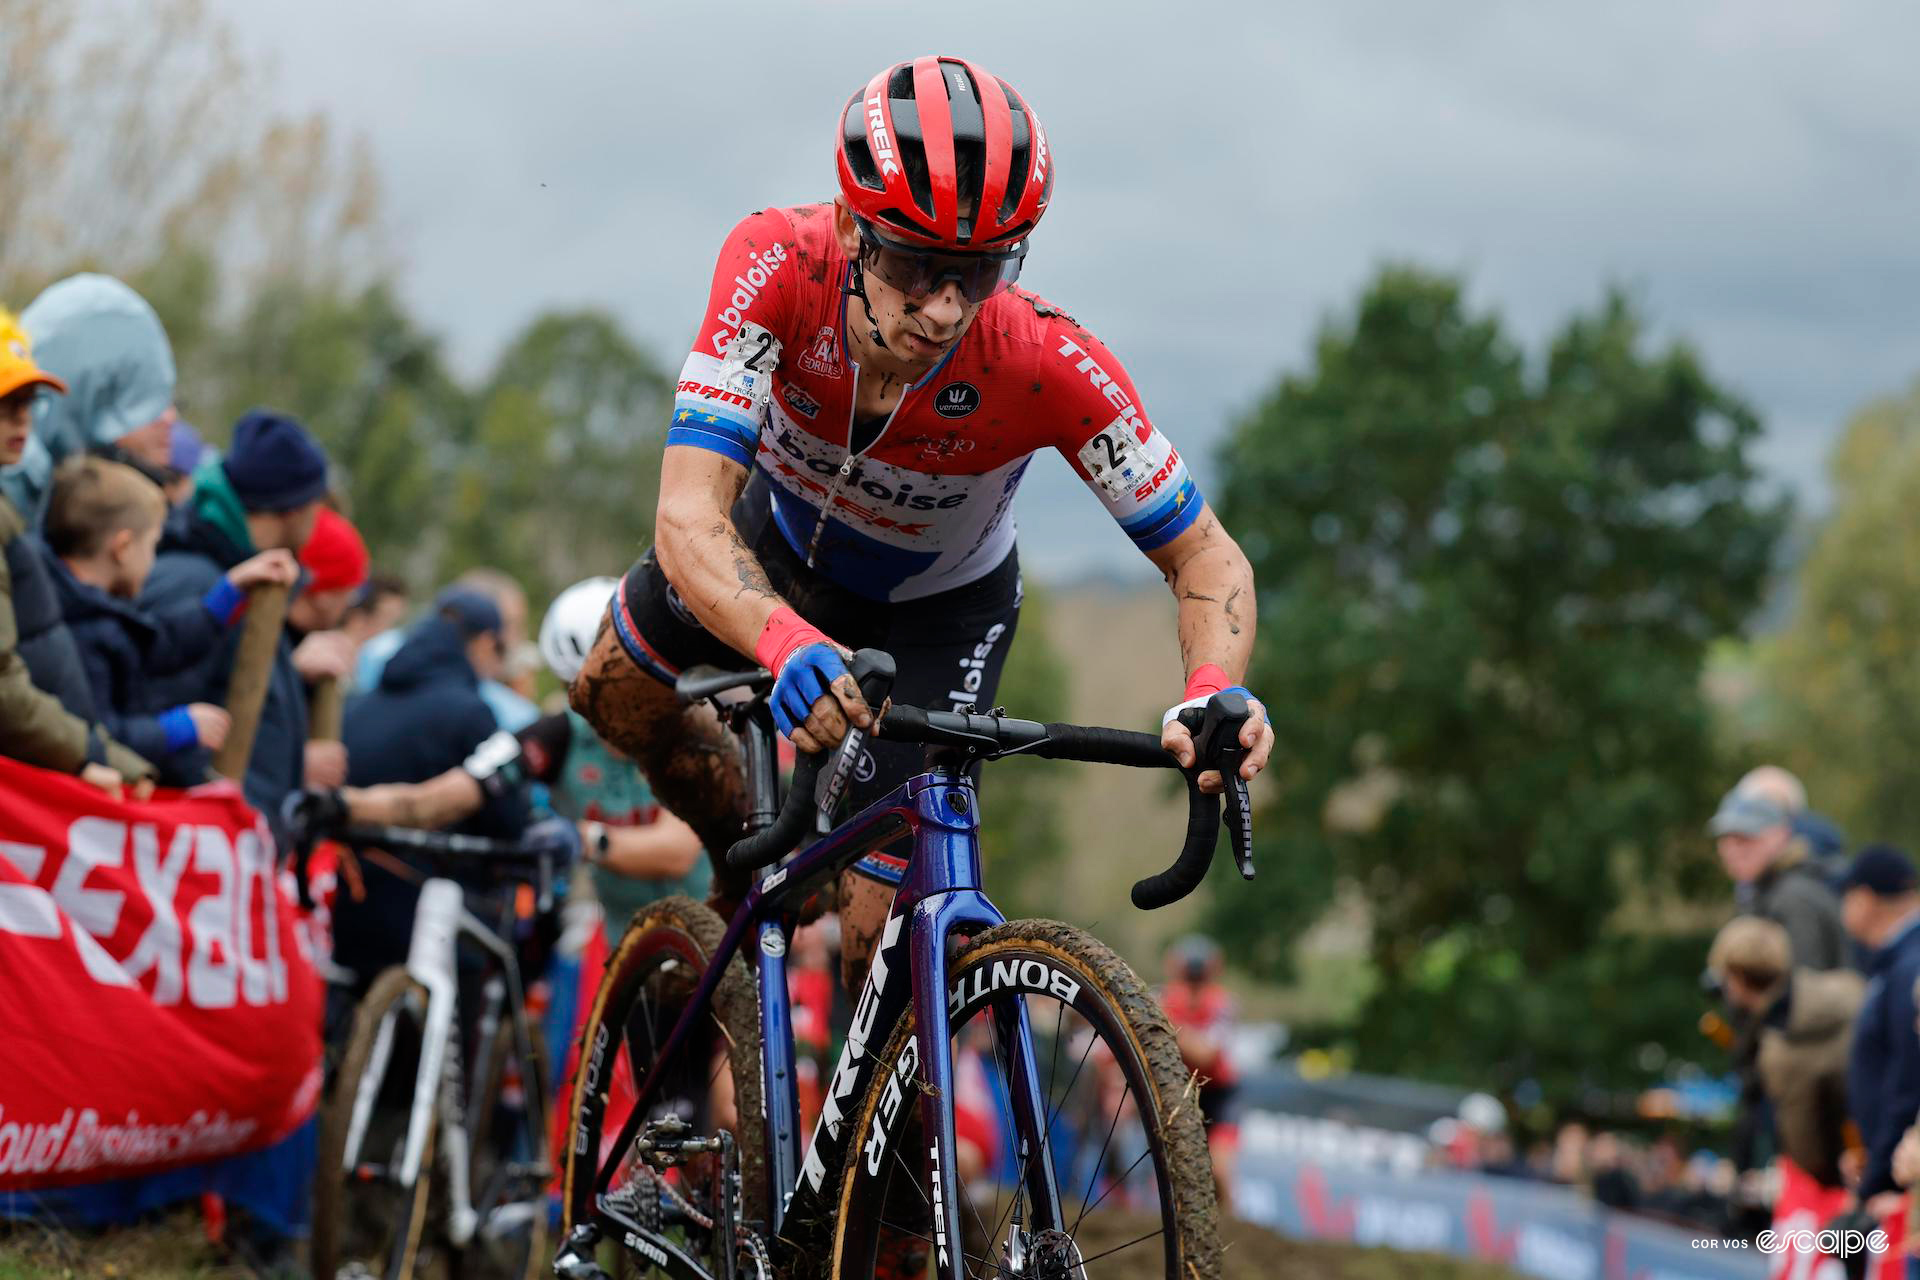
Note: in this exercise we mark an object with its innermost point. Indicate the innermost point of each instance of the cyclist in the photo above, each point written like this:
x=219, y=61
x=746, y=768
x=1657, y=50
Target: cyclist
x=864, y=393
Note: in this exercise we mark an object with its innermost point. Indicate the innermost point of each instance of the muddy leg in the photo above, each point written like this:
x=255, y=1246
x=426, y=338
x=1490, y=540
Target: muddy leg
x=692, y=763
x=863, y=912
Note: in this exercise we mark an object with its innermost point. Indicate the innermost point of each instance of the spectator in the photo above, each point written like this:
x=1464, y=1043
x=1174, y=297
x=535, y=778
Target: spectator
x=1882, y=910
x=103, y=524
x=1826, y=843
x=1773, y=877
x=380, y=605
x=1202, y=1015
x=265, y=494
x=637, y=852
x=425, y=718
x=335, y=559
x=103, y=342
x=1806, y=1023
x=512, y=710
x=42, y=681
x=1613, y=1182
x=185, y=450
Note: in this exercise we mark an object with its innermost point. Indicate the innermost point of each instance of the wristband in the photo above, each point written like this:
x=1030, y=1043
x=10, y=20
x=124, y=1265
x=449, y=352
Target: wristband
x=785, y=634
x=1174, y=711
x=177, y=724
x=223, y=600
x=1206, y=680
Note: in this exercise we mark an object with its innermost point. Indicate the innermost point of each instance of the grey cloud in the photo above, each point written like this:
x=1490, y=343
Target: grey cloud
x=1228, y=174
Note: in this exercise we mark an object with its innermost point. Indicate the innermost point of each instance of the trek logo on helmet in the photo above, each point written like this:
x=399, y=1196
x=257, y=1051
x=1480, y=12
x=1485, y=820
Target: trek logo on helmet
x=880, y=139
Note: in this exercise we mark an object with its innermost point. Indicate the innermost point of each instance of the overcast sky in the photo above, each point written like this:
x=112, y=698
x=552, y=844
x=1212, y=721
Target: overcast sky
x=1228, y=174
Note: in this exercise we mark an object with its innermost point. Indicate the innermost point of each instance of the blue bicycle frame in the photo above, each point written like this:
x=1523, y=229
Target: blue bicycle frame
x=941, y=895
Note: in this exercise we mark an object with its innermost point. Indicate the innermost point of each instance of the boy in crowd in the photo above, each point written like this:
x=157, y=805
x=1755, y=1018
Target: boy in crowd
x=265, y=493
x=41, y=679
x=103, y=525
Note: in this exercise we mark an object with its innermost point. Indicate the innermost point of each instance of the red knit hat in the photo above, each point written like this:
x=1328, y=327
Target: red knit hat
x=334, y=556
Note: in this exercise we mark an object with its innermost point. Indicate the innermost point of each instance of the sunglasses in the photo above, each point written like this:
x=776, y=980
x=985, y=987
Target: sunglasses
x=917, y=272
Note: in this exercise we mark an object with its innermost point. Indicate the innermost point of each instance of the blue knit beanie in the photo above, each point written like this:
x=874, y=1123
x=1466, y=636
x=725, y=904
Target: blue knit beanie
x=274, y=465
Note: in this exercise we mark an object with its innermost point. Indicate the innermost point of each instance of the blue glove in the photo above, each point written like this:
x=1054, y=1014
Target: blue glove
x=803, y=679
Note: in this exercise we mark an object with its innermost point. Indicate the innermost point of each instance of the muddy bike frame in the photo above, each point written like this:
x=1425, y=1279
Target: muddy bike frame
x=941, y=894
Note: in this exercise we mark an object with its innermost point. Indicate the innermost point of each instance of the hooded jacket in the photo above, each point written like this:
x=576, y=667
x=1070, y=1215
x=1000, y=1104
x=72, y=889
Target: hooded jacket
x=1803, y=1067
x=203, y=538
x=425, y=717
x=1883, y=1067
x=1794, y=893
x=46, y=709
x=124, y=647
x=104, y=341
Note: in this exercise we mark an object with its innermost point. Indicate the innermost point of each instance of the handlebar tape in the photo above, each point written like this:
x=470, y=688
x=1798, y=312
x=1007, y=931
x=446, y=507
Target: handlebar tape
x=773, y=842
x=1185, y=875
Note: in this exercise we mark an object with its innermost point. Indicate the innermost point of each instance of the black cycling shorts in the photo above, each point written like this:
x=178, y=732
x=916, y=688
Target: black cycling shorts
x=948, y=648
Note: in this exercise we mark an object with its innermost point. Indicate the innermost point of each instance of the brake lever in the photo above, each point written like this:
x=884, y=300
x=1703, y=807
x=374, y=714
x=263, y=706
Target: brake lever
x=873, y=671
x=1216, y=744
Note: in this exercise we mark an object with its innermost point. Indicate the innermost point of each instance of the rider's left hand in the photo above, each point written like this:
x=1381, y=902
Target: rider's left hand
x=1256, y=735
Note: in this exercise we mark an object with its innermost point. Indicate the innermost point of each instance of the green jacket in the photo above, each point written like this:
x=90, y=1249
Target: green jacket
x=34, y=727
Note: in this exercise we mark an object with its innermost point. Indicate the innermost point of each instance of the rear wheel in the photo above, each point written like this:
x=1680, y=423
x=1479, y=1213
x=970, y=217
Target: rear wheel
x=364, y=1223
x=713, y=1082
x=1122, y=1132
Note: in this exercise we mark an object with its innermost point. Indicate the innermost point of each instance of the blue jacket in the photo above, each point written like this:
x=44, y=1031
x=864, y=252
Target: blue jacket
x=1883, y=1069
x=195, y=555
x=124, y=646
x=425, y=717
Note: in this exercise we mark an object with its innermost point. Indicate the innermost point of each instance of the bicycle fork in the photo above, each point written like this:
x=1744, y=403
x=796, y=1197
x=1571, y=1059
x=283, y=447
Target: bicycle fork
x=436, y=1088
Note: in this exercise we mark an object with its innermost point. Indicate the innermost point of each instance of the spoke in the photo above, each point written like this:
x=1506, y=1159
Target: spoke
x=904, y=1229
x=1144, y=1153
x=1117, y=1248
x=1002, y=1055
x=913, y=1179
x=1053, y=1113
x=1101, y=1159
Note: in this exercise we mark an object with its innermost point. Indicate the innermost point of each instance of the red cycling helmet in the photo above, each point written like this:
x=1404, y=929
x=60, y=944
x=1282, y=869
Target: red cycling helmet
x=940, y=153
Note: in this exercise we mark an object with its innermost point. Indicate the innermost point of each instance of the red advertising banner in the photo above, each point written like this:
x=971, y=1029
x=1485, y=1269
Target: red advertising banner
x=158, y=1003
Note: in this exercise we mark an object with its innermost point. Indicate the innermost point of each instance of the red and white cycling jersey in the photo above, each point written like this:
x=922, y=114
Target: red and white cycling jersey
x=925, y=507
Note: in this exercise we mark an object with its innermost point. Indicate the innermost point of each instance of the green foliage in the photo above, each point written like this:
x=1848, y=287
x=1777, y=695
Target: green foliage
x=559, y=479
x=547, y=470
x=1842, y=679
x=1021, y=836
x=1486, y=592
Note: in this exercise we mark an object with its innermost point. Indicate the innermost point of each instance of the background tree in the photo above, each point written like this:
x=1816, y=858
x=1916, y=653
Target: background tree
x=558, y=477
x=1022, y=841
x=130, y=131
x=1841, y=680
x=1486, y=592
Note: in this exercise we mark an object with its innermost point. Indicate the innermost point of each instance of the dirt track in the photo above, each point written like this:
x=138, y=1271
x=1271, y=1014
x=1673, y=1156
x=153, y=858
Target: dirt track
x=1253, y=1253
x=175, y=1250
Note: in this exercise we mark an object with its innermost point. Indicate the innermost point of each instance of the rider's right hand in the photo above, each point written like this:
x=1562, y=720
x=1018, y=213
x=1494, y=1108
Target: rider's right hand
x=814, y=697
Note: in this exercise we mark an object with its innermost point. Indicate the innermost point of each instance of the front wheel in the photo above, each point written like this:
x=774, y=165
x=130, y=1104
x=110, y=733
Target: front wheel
x=1122, y=1132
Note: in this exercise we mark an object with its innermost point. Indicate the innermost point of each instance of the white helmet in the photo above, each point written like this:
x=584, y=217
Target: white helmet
x=572, y=621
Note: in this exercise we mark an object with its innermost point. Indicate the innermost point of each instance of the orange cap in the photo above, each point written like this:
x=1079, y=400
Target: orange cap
x=17, y=368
